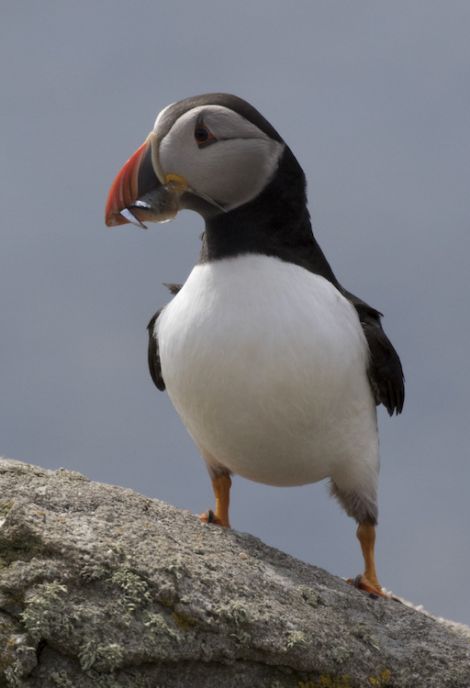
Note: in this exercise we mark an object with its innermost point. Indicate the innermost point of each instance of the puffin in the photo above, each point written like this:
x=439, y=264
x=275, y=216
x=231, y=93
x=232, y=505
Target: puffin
x=274, y=368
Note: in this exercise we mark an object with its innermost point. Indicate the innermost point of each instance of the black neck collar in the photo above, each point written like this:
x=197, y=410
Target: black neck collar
x=276, y=223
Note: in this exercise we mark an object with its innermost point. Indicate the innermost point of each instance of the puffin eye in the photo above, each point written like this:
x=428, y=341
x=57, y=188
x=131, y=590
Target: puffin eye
x=203, y=136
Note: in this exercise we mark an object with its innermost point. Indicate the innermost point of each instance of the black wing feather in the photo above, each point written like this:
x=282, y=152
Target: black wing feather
x=153, y=352
x=155, y=367
x=385, y=371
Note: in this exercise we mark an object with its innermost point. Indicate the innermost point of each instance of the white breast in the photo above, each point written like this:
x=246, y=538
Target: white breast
x=266, y=364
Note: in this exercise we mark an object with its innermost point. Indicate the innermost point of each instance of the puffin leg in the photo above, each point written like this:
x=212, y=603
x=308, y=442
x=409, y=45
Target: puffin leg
x=368, y=581
x=361, y=504
x=221, y=485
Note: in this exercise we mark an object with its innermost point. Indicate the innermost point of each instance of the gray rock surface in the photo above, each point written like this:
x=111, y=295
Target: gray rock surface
x=101, y=587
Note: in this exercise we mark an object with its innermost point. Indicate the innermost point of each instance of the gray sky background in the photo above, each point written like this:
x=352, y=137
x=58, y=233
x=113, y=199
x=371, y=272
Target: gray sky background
x=374, y=100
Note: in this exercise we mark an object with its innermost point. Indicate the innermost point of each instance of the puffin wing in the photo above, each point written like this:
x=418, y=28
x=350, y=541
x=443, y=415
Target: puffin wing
x=385, y=370
x=153, y=352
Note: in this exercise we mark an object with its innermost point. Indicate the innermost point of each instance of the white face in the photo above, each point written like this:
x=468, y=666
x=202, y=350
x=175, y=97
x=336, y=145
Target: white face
x=223, y=157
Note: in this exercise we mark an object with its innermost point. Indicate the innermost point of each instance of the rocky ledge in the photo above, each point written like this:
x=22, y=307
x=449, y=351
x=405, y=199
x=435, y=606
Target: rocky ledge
x=101, y=587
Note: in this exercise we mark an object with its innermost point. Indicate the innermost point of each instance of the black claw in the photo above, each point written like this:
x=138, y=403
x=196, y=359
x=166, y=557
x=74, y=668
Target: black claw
x=357, y=584
x=210, y=516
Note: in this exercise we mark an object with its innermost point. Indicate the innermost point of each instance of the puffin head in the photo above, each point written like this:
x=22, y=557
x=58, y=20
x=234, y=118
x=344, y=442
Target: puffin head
x=211, y=153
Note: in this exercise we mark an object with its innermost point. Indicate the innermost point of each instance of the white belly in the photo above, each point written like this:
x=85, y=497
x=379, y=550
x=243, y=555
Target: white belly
x=266, y=364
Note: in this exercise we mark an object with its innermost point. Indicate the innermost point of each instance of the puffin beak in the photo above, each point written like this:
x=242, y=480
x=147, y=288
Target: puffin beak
x=137, y=195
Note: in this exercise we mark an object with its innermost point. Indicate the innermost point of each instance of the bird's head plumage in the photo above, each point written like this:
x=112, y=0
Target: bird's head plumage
x=211, y=153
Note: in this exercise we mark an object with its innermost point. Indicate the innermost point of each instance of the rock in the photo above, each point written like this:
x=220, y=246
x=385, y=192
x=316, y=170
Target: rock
x=101, y=587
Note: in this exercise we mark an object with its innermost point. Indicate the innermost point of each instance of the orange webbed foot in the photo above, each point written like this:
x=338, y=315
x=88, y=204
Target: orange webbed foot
x=362, y=583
